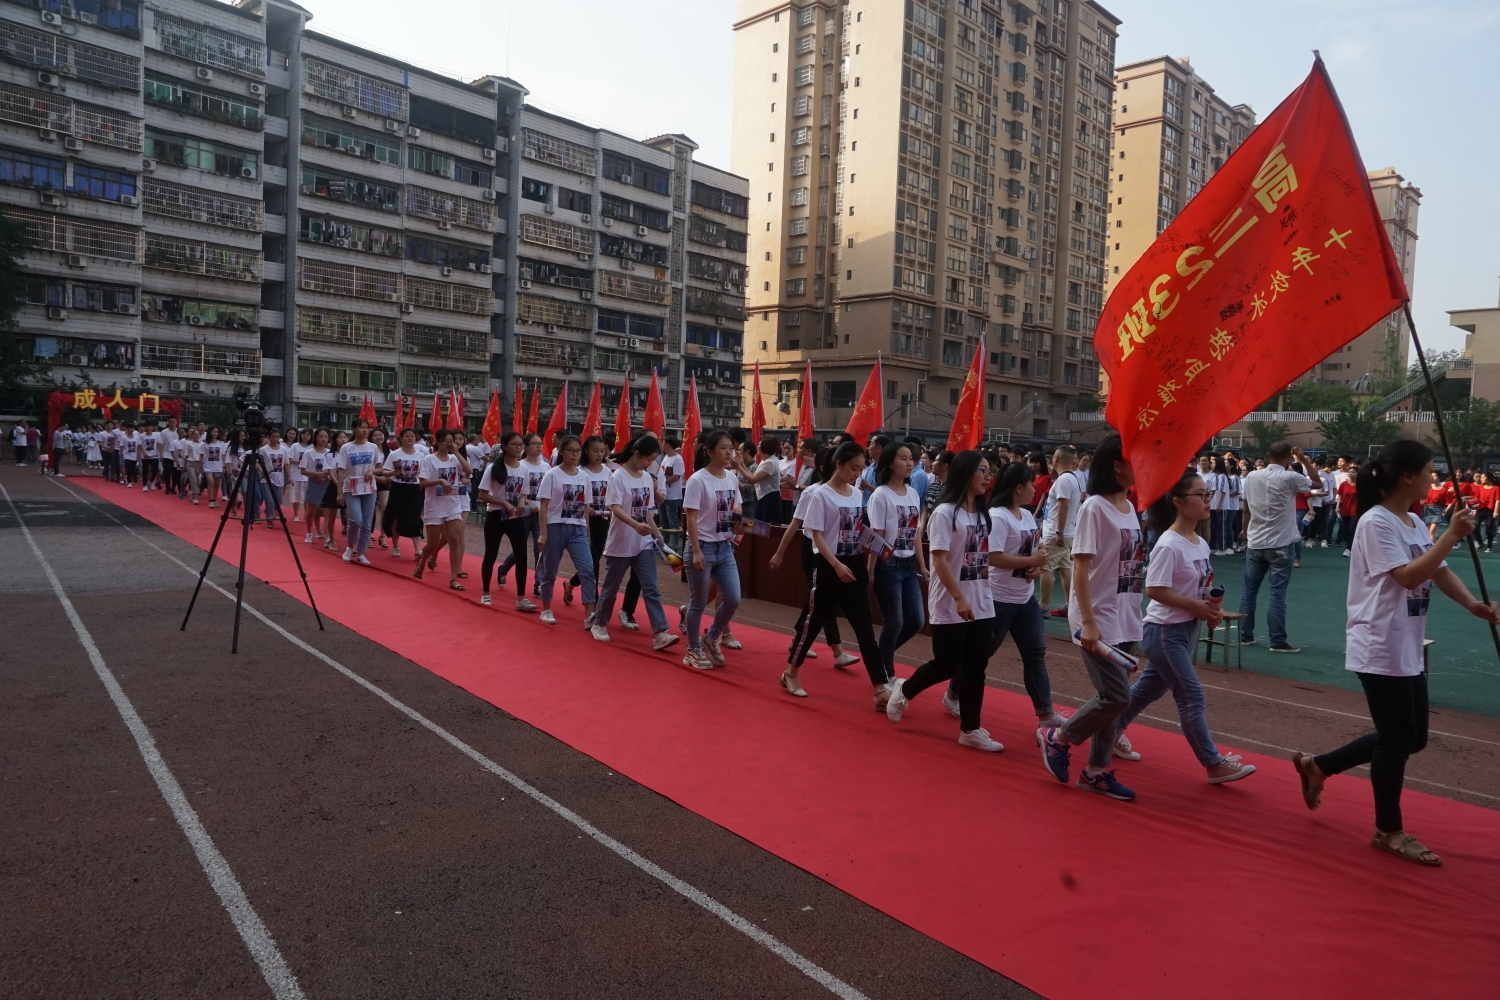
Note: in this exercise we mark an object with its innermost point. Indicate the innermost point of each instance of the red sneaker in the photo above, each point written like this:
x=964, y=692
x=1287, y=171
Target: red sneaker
x=1061, y=612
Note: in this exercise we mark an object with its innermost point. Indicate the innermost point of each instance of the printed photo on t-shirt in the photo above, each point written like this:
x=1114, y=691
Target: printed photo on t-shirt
x=1131, y=578
x=848, y=529
x=405, y=467
x=724, y=501
x=1029, y=541
x=533, y=483
x=597, y=489
x=906, y=528
x=574, y=501
x=1418, y=600
x=640, y=503
x=976, y=554
x=1205, y=577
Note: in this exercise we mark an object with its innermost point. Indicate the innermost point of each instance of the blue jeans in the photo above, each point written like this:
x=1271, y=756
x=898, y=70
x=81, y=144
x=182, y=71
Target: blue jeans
x=1024, y=623
x=615, y=568
x=898, y=588
x=573, y=539
x=671, y=513
x=268, y=496
x=1169, y=667
x=1259, y=562
x=361, y=519
x=720, y=567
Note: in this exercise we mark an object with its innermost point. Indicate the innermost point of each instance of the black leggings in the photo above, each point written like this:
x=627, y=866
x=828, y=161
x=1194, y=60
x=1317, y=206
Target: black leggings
x=1346, y=529
x=829, y=596
x=810, y=562
x=496, y=529
x=1484, y=527
x=598, y=532
x=960, y=652
x=1398, y=707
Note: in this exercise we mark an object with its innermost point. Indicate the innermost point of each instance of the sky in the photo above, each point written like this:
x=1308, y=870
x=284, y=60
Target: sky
x=1418, y=82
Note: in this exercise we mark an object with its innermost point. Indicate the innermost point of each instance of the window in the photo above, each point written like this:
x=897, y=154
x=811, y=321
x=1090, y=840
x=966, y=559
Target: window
x=628, y=249
x=356, y=329
x=801, y=136
x=805, y=16
x=348, y=235
x=433, y=116
x=454, y=255
x=429, y=161
x=802, y=76
x=191, y=99
x=806, y=43
x=634, y=212
x=801, y=106
x=222, y=315
x=557, y=152
x=714, y=269
x=321, y=183
x=344, y=86
x=959, y=164
x=953, y=354
x=199, y=154
x=637, y=174
x=97, y=353
x=202, y=43
x=891, y=388
x=537, y=271
x=46, y=291
x=442, y=342
x=800, y=165
x=796, y=255
x=574, y=201
x=535, y=190
x=796, y=286
x=701, y=230
x=96, y=182
x=720, y=200
x=93, y=296
x=631, y=324
x=707, y=336
x=345, y=376
x=32, y=170
x=798, y=197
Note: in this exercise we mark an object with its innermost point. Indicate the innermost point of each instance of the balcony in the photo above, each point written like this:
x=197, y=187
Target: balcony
x=273, y=176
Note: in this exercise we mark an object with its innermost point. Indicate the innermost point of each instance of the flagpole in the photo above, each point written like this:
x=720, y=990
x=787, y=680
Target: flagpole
x=1437, y=414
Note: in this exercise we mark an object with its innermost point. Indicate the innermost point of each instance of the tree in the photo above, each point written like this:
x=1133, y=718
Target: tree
x=1265, y=435
x=17, y=371
x=1352, y=431
x=1473, y=427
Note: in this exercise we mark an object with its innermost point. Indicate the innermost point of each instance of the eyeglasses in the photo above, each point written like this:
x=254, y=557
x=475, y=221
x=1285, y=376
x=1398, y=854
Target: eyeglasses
x=1204, y=495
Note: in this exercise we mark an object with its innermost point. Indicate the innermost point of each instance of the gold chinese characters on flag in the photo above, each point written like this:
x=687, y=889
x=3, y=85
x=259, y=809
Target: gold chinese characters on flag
x=1280, y=260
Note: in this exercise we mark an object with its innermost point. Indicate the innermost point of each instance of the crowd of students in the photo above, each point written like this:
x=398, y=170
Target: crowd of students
x=968, y=544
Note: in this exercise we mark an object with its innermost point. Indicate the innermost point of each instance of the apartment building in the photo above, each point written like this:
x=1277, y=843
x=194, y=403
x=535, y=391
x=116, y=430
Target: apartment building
x=933, y=172
x=1382, y=352
x=630, y=259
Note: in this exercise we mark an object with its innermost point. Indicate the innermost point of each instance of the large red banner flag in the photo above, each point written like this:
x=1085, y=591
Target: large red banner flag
x=1279, y=261
x=518, y=413
x=869, y=413
x=531, y=415
x=396, y=420
x=806, y=427
x=757, y=408
x=968, y=420
x=435, y=420
x=593, y=421
x=622, y=419
x=559, y=422
x=655, y=418
x=692, y=426
x=490, y=431
x=367, y=410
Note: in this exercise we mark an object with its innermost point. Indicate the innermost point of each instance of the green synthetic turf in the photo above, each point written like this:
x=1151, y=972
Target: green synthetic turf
x=1463, y=664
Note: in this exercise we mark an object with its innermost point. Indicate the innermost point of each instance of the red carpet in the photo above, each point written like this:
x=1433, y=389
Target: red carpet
x=1193, y=891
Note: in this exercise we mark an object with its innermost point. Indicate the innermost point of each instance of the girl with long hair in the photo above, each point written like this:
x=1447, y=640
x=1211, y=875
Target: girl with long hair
x=536, y=467
x=766, y=478
x=296, y=484
x=564, y=514
x=630, y=546
x=355, y=470
x=317, y=465
x=1109, y=571
x=444, y=474
x=595, y=453
x=895, y=513
x=213, y=465
x=401, y=472
x=958, y=599
x=709, y=502
x=234, y=453
x=382, y=485
x=1178, y=581
x=1392, y=571
x=502, y=488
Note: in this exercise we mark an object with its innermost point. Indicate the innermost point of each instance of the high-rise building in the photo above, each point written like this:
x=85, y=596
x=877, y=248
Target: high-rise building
x=1381, y=352
x=924, y=174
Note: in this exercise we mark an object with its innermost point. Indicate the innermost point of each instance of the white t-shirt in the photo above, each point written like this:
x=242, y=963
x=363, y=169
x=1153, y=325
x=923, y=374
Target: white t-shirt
x=477, y=454
x=1065, y=487
x=359, y=461
x=800, y=513
x=446, y=500
x=315, y=461
x=168, y=439
x=637, y=495
x=960, y=538
x=837, y=516
x=213, y=456
x=1387, y=622
x=1014, y=536
x=512, y=490
x=1182, y=565
x=896, y=518
x=673, y=464
x=294, y=461
x=130, y=447
x=716, y=499
x=534, y=473
x=1271, y=494
x=407, y=468
x=275, y=463
x=567, y=496
x=1117, y=573
x=598, y=487
x=772, y=482
x=150, y=445
x=191, y=451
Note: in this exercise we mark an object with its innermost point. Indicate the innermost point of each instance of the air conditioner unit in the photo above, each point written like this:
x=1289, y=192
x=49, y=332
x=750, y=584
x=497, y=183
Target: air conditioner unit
x=46, y=135
x=407, y=307
x=308, y=285
x=346, y=397
x=341, y=243
x=258, y=89
x=586, y=295
x=204, y=73
x=129, y=200
x=66, y=69
x=635, y=342
x=726, y=286
x=549, y=208
x=247, y=172
x=76, y=260
x=55, y=201
x=391, y=125
x=627, y=179
x=487, y=194
x=126, y=308
x=195, y=387
x=608, y=222
x=48, y=79
x=551, y=327
x=52, y=18
x=69, y=13
x=485, y=269
x=583, y=256
x=310, y=90
x=489, y=155
x=718, y=321
x=148, y=164
x=349, y=112
x=81, y=360
x=176, y=386
x=641, y=230
x=525, y=282
x=626, y=265
x=143, y=383
x=587, y=217
x=391, y=397
x=56, y=312
x=447, y=272
x=624, y=342
x=413, y=131
x=198, y=320
x=444, y=224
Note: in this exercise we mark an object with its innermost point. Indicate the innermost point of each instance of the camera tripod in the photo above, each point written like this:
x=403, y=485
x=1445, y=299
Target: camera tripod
x=253, y=468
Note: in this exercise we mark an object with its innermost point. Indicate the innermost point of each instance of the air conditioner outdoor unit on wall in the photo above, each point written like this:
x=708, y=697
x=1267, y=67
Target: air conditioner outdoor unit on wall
x=586, y=295
x=447, y=272
x=195, y=387
x=391, y=125
x=624, y=342
x=345, y=397
x=56, y=312
x=258, y=89
x=204, y=73
x=129, y=200
x=198, y=320
x=641, y=230
x=587, y=217
x=52, y=18
x=489, y=156
x=148, y=164
x=349, y=112
x=177, y=386
x=525, y=282
x=81, y=360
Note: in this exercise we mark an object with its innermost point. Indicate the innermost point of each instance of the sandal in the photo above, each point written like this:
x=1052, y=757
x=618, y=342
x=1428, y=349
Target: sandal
x=1313, y=797
x=463, y=574
x=432, y=563
x=417, y=573
x=567, y=592
x=790, y=684
x=455, y=585
x=1407, y=847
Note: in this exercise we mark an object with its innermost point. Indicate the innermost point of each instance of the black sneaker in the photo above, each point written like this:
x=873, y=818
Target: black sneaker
x=1247, y=640
x=1285, y=647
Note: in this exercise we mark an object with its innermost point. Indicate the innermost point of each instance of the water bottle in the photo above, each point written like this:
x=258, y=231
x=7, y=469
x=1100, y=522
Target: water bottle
x=1118, y=657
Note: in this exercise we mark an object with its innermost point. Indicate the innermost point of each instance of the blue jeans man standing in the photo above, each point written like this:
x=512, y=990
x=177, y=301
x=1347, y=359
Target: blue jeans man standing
x=1259, y=562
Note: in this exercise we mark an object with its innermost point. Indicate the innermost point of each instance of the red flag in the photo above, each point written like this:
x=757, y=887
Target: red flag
x=1279, y=261
x=559, y=422
x=622, y=419
x=968, y=419
x=410, y=420
x=396, y=420
x=757, y=408
x=435, y=421
x=536, y=397
x=367, y=410
x=593, y=424
x=806, y=431
x=869, y=413
x=518, y=415
x=455, y=412
x=692, y=426
x=655, y=419
x=491, y=429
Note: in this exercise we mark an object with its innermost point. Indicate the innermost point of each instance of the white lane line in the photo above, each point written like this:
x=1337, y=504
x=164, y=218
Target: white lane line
x=252, y=931
x=808, y=968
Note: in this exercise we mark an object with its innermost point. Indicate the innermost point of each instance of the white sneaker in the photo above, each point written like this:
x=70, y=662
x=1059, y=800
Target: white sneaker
x=844, y=660
x=362, y=560
x=812, y=654
x=896, y=707
x=1229, y=770
x=296, y=518
x=979, y=739
x=1124, y=750
x=628, y=621
x=308, y=539
x=950, y=703
x=395, y=552
x=1325, y=545
x=548, y=618
x=524, y=605
x=694, y=658
x=711, y=646
x=485, y=600
x=600, y=632
x=348, y=555
x=664, y=639
x=1346, y=554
